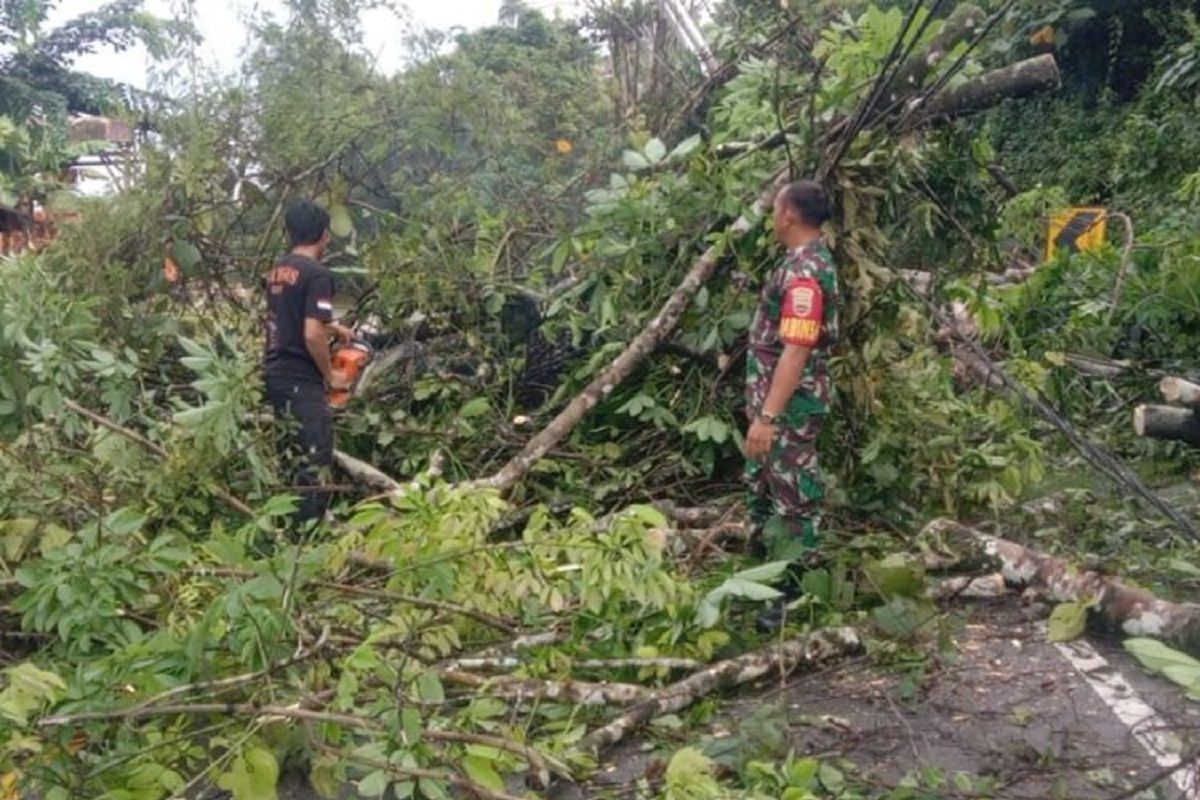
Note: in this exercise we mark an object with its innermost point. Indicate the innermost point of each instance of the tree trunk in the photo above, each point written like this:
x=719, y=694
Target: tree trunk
x=1134, y=612
x=808, y=651
x=962, y=24
x=644, y=344
x=1179, y=392
x=1167, y=422
x=1015, y=80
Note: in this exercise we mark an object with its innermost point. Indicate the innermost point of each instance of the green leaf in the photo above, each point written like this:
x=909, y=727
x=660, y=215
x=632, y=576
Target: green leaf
x=1067, y=621
x=902, y=617
x=737, y=587
x=482, y=771
x=124, y=521
x=374, y=785
x=29, y=689
x=252, y=776
x=340, y=222
x=429, y=688
x=831, y=778
x=187, y=255
x=434, y=790
x=474, y=408
x=655, y=151
x=685, y=148
x=764, y=573
x=634, y=160
x=1175, y=665
x=897, y=574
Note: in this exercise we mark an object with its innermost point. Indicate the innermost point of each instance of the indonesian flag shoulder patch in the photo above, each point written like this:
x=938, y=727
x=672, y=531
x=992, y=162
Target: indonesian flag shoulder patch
x=803, y=310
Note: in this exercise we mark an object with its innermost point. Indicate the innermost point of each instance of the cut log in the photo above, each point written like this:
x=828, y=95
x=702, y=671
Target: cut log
x=1179, y=392
x=366, y=474
x=1120, y=607
x=1096, y=367
x=632, y=356
x=1016, y=80
x=962, y=24
x=806, y=651
x=1167, y=422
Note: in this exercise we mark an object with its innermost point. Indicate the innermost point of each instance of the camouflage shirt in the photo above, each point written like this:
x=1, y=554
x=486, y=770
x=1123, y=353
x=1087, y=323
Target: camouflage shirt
x=799, y=305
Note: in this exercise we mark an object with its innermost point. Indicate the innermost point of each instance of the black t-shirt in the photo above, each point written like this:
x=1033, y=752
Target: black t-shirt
x=297, y=287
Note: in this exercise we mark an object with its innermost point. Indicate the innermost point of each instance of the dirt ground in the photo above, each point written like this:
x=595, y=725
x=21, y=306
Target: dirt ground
x=1014, y=715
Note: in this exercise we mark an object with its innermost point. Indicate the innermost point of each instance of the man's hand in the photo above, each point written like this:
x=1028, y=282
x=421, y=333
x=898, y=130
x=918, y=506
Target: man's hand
x=345, y=335
x=759, y=439
x=337, y=383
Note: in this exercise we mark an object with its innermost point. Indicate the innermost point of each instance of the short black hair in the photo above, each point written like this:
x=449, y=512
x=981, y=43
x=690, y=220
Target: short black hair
x=809, y=200
x=306, y=222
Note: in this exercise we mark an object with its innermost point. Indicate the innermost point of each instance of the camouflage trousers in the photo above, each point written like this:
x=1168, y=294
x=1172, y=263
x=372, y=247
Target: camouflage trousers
x=786, y=486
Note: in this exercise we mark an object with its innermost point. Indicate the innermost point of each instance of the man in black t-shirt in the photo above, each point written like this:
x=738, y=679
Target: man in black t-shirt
x=296, y=367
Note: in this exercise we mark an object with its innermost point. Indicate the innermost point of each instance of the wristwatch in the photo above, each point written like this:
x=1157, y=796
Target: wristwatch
x=766, y=417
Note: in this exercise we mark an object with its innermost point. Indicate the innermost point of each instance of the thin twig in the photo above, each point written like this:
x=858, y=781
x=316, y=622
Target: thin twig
x=231, y=500
x=421, y=602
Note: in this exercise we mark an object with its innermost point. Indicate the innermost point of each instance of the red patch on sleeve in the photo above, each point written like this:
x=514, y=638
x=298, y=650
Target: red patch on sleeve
x=803, y=311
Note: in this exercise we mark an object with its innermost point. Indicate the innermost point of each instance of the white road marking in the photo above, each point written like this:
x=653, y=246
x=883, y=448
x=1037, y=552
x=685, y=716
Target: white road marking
x=1145, y=725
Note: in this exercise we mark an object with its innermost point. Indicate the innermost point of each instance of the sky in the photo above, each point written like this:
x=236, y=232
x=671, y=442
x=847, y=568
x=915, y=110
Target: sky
x=222, y=23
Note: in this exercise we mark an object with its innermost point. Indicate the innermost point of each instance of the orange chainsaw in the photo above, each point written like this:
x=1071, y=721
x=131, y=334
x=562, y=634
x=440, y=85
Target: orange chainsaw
x=348, y=361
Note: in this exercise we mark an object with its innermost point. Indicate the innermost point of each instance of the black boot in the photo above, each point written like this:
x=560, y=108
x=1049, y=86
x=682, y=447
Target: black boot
x=772, y=618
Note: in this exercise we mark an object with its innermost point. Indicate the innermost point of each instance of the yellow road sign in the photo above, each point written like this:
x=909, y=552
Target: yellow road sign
x=1077, y=230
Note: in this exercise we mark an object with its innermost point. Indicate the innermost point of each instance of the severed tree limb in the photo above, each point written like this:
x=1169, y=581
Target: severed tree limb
x=1167, y=422
x=632, y=356
x=512, y=662
x=697, y=517
x=366, y=474
x=1133, y=611
x=1096, y=367
x=1180, y=392
x=1016, y=80
x=806, y=651
x=970, y=587
x=586, y=693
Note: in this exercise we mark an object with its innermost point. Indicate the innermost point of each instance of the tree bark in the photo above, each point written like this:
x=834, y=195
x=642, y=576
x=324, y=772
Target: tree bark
x=1132, y=611
x=531, y=690
x=1180, y=392
x=1167, y=422
x=806, y=651
x=1016, y=80
x=366, y=474
x=632, y=357
x=961, y=25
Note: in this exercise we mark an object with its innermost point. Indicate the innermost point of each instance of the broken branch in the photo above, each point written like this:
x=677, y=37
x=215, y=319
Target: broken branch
x=807, y=651
x=632, y=356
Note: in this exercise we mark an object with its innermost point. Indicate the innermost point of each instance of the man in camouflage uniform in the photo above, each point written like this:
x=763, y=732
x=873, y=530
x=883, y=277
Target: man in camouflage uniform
x=787, y=380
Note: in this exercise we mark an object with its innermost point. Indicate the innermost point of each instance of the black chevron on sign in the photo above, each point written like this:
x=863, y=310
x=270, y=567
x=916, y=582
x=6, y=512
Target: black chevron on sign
x=1080, y=223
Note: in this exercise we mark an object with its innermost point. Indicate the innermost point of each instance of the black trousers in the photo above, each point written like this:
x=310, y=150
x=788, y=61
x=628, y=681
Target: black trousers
x=303, y=409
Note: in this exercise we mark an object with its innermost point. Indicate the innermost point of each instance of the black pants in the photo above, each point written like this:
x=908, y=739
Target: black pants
x=303, y=409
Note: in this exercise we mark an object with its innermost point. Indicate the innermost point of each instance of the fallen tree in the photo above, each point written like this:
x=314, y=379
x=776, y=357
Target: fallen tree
x=1118, y=606
x=1170, y=422
x=643, y=345
x=804, y=652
